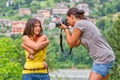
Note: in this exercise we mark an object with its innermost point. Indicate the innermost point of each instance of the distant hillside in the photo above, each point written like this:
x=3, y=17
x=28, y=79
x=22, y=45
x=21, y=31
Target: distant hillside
x=8, y=8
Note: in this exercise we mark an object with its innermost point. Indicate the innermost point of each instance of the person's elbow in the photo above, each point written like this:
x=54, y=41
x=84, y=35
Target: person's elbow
x=41, y=45
x=47, y=42
x=77, y=45
x=71, y=44
x=22, y=45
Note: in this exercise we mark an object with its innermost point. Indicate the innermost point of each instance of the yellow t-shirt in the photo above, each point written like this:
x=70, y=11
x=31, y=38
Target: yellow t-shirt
x=37, y=62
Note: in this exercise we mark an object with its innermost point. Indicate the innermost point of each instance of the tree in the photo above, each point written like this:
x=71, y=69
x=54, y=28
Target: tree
x=113, y=37
x=104, y=23
x=10, y=58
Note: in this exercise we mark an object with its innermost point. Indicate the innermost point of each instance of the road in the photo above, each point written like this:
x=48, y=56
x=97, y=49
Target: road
x=69, y=74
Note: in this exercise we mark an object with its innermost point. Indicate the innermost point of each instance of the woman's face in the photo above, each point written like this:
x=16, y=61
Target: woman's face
x=71, y=20
x=37, y=28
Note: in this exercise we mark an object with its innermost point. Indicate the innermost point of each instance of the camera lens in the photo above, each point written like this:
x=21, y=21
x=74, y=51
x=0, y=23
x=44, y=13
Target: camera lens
x=58, y=24
x=64, y=21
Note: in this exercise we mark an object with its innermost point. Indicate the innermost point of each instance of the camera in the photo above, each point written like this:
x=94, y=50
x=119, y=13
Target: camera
x=64, y=21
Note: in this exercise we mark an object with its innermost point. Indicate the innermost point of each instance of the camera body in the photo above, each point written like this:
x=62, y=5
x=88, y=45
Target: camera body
x=64, y=21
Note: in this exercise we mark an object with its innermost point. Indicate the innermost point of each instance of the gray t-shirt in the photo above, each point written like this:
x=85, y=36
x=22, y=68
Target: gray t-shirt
x=93, y=41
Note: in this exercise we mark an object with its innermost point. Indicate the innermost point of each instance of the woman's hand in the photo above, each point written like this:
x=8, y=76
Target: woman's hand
x=30, y=56
x=45, y=65
x=30, y=50
x=64, y=26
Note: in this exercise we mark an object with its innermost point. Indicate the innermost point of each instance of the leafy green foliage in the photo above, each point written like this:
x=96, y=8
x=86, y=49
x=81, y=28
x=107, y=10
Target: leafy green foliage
x=10, y=68
x=77, y=59
x=104, y=23
x=108, y=7
x=114, y=39
x=12, y=57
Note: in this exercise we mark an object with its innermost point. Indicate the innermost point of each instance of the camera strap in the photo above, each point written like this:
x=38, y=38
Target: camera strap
x=61, y=45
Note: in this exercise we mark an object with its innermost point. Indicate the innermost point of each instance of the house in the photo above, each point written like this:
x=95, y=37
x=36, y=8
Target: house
x=84, y=7
x=18, y=27
x=60, y=8
x=76, y=1
x=45, y=13
x=24, y=11
x=5, y=22
x=39, y=17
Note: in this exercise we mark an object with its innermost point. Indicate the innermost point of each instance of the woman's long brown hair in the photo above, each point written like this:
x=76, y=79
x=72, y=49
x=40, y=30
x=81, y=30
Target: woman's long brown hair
x=28, y=30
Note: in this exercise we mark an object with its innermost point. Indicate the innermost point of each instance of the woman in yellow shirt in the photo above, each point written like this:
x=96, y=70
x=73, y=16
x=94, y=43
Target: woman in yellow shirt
x=34, y=44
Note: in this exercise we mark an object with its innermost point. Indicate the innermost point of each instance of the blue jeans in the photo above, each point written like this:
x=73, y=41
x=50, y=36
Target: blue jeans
x=35, y=76
x=102, y=69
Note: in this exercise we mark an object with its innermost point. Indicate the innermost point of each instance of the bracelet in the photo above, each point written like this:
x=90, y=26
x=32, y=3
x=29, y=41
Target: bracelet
x=66, y=28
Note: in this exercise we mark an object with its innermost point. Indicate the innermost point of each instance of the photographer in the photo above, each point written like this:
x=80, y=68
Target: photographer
x=86, y=33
